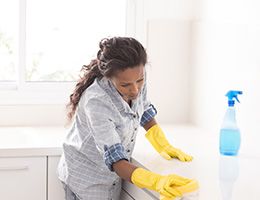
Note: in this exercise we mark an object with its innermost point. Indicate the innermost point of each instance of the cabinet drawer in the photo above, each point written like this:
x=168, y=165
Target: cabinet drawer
x=23, y=178
x=138, y=193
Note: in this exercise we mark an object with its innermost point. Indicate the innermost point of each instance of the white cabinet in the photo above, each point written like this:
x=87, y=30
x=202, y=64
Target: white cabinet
x=55, y=188
x=23, y=178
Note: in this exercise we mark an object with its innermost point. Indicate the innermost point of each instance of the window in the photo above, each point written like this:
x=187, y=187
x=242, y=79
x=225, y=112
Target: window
x=8, y=39
x=44, y=43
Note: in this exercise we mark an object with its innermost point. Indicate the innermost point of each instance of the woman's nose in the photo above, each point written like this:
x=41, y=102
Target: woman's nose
x=134, y=89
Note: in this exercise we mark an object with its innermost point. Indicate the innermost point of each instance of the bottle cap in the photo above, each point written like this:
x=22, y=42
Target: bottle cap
x=232, y=94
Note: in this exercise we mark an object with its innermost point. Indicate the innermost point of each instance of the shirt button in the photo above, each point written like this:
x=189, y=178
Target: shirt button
x=134, y=116
x=128, y=150
x=132, y=140
x=135, y=129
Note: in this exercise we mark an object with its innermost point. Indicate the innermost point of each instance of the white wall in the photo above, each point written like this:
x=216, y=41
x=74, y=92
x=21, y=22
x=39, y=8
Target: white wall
x=168, y=46
x=164, y=27
x=225, y=55
x=160, y=9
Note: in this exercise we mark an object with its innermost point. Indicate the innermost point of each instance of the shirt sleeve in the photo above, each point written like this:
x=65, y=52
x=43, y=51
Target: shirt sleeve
x=148, y=115
x=104, y=132
x=113, y=154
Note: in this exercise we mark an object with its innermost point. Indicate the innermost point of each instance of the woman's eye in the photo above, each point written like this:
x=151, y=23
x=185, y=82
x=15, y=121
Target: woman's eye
x=126, y=85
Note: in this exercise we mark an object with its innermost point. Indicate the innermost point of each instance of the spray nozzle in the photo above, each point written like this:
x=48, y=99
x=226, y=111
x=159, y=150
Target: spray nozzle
x=233, y=94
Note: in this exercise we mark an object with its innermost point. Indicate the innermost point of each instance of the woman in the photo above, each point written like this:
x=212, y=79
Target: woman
x=106, y=108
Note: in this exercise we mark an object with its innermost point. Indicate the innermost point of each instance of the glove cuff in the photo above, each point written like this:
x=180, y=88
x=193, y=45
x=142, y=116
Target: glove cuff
x=144, y=178
x=156, y=136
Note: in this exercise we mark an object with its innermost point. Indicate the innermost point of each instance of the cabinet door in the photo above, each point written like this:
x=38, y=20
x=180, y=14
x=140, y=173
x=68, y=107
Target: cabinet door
x=23, y=178
x=55, y=188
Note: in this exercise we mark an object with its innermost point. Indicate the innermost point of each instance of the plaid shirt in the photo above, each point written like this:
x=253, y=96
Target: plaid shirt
x=103, y=132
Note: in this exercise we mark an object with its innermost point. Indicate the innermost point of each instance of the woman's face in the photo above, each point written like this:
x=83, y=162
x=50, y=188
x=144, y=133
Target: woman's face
x=129, y=82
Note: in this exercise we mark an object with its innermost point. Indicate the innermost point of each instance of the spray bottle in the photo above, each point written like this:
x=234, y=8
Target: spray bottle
x=230, y=134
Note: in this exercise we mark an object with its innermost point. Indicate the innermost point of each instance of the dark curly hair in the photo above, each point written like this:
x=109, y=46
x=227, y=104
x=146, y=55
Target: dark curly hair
x=115, y=54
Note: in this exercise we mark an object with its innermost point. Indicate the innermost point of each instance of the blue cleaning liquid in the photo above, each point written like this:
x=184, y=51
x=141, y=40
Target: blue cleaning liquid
x=229, y=141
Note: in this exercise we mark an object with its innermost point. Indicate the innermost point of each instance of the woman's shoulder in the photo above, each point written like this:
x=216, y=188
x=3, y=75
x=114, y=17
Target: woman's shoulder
x=95, y=94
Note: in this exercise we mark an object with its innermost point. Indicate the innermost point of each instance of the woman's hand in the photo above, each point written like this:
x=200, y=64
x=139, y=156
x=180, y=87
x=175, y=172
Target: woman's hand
x=169, y=187
x=157, y=138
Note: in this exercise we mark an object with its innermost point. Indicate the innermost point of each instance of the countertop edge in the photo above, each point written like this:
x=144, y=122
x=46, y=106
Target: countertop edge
x=31, y=152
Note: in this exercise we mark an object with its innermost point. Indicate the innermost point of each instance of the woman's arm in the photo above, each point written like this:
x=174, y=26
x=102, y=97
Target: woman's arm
x=124, y=169
x=169, y=186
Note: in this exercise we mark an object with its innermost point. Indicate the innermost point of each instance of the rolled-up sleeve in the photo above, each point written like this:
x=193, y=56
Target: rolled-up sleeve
x=113, y=154
x=103, y=130
x=148, y=115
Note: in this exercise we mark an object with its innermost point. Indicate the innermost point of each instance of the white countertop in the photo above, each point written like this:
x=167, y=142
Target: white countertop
x=31, y=141
x=244, y=170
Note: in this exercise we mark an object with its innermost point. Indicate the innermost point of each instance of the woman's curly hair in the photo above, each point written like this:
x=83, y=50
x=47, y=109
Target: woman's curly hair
x=115, y=54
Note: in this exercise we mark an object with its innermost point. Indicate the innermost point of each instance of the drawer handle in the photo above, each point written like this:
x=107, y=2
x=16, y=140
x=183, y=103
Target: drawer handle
x=15, y=168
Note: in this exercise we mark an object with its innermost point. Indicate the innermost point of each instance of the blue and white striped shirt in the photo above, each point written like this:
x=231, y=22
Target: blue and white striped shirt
x=103, y=132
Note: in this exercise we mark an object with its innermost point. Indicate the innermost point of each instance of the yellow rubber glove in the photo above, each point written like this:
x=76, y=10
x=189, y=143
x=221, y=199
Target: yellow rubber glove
x=157, y=138
x=167, y=186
